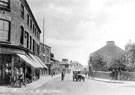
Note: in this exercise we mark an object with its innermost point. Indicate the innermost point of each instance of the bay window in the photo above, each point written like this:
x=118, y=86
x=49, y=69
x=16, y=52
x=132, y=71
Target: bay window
x=4, y=30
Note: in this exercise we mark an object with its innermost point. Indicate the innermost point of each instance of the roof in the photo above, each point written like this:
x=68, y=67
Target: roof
x=45, y=45
x=109, y=50
x=31, y=13
x=64, y=63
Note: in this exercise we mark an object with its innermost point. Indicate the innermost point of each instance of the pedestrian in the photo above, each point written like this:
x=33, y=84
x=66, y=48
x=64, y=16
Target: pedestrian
x=15, y=77
x=62, y=76
x=21, y=78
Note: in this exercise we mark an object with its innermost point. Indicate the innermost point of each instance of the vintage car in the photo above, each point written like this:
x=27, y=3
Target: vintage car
x=78, y=76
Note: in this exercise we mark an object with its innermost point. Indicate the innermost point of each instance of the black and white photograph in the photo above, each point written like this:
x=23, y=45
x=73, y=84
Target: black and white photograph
x=67, y=47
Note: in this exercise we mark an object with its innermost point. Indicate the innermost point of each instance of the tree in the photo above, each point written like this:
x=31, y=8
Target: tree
x=98, y=63
x=119, y=63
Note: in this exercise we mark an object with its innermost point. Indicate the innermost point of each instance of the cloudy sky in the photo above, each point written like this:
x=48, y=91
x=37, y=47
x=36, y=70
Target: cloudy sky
x=76, y=28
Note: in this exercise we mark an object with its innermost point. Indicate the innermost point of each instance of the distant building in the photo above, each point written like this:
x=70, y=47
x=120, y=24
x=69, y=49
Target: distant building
x=64, y=66
x=55, y=66
x=74, y=65
x=107, y=53
x=45, y=55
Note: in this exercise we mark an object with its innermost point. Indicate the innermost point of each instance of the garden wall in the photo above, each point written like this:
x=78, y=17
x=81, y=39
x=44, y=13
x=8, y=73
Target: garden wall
x=124, y=75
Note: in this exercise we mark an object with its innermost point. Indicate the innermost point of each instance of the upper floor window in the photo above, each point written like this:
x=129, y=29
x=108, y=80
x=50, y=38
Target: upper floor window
x=47, y=51
x=5, y=3
x=31, y=24
x=30, y=43
x=27, y=40
x=28, y=18
x=47, y=59
x=4, y=30
x=33, y=29
x=22, y=11
x=22, y=35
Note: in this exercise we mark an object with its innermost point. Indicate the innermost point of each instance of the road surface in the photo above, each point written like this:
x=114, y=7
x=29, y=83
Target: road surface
x=88, y=87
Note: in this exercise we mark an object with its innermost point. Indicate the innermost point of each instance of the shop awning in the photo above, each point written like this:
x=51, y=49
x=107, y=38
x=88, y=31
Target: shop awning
x=36, y=61
x=41, y=62
x=27, y=60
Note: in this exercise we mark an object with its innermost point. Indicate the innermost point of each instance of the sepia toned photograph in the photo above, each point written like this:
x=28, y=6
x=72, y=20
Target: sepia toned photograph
x=67, y=47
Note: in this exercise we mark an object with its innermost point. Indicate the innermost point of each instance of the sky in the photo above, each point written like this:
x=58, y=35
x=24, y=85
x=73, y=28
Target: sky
x=76, y=28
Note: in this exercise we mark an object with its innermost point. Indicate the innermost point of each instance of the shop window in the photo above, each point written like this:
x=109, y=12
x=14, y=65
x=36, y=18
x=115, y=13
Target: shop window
x=5, y=4
x=4, y=30
x=22, y=11
x=22, y=35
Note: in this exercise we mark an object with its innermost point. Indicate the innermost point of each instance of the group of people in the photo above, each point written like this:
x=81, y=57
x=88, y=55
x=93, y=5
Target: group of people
x=18, y=77
x=114, y=74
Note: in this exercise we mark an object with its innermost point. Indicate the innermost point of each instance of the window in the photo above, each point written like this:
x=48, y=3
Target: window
x=4, y=30
x=22, y=11
x=28, y=19
x=35, y=32
x=25, y=34
x=31, y=24
x=43, y=58
x=47, y=51
x=33, y=45
x=22, y=35
x=47, y=59
x=33, y=29
x=38, y=35
x=30, y=42
x=27, y=40
x=38, y=49
x=4, y=3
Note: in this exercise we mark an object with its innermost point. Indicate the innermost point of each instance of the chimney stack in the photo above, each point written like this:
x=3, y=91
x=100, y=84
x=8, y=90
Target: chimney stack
x=110, y=43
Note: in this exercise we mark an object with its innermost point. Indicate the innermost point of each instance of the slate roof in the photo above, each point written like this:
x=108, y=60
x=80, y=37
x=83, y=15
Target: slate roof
x=110, y=50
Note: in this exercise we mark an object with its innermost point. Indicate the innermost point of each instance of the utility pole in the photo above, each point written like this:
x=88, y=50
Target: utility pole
x=43, y=32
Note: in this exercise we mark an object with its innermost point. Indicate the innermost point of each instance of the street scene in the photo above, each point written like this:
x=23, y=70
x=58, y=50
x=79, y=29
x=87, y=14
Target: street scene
x=67, y=87
x=67, y=47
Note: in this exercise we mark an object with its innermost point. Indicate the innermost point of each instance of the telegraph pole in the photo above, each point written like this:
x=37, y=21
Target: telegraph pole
x=43, y=32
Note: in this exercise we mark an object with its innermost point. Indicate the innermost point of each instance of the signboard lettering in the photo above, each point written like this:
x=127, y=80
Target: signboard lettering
x=4, y=16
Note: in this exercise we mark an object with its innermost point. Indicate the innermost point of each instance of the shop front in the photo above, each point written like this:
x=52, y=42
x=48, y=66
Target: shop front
x=13, y=58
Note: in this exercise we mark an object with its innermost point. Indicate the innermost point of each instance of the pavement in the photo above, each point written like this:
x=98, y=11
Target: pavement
x=45, y=79
x=31, y=86
x=112, y=81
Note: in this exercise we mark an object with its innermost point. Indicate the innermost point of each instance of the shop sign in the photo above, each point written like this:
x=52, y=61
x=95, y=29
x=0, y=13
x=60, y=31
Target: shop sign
x=5, y=16
x=3, y=49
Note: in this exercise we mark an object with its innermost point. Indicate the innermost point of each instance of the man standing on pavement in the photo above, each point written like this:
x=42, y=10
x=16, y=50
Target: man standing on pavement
x=62, y=76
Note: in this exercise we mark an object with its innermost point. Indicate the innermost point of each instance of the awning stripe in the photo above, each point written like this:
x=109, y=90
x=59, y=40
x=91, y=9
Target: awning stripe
x=36, y=61
x=41, y=62
x=26, y=59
